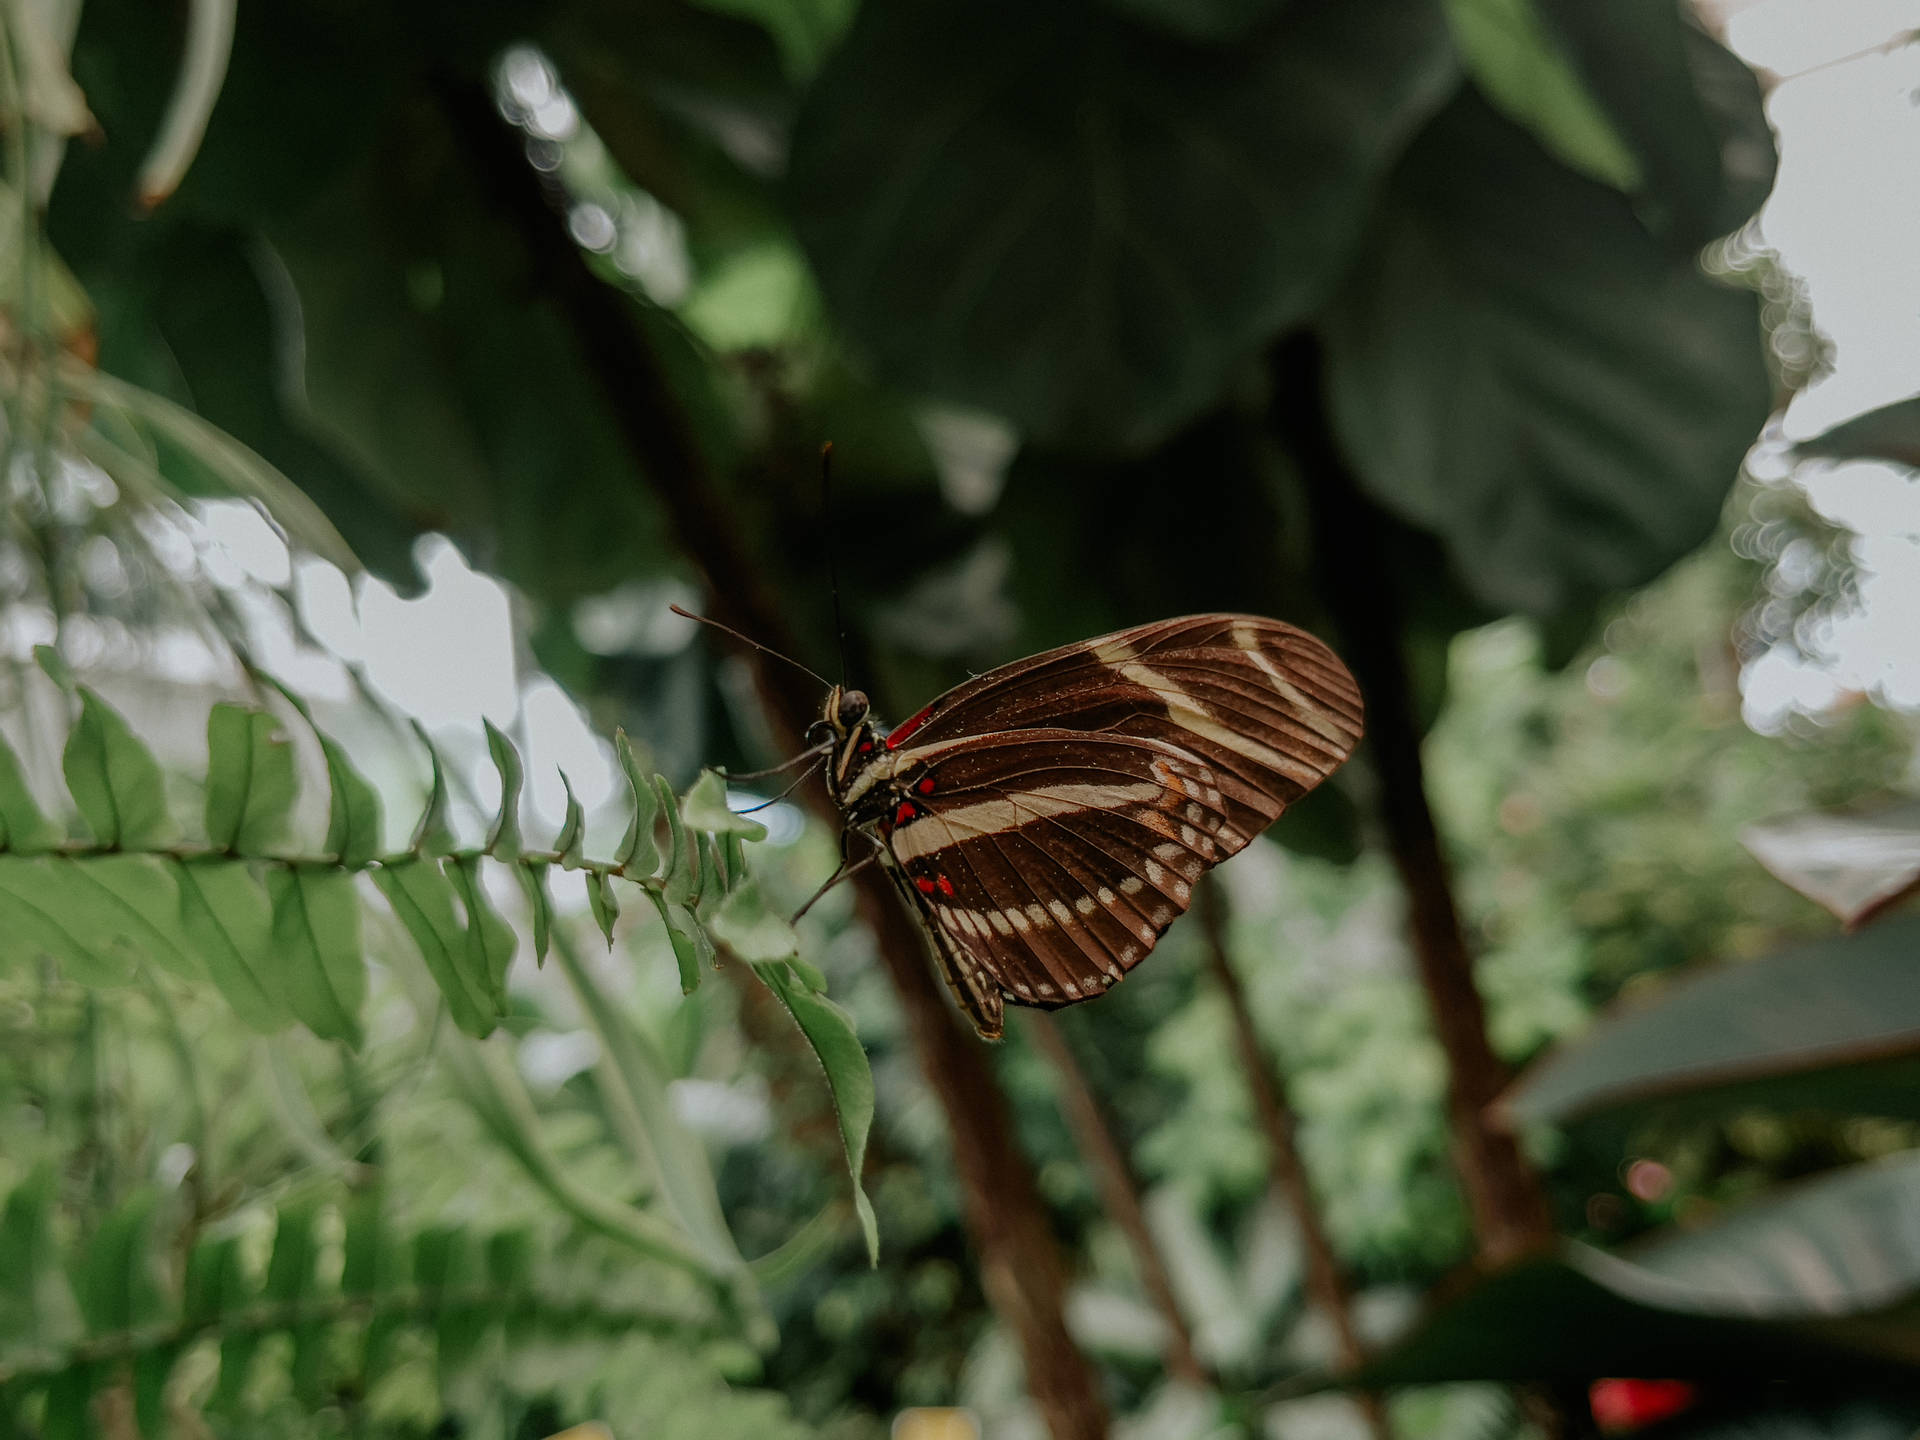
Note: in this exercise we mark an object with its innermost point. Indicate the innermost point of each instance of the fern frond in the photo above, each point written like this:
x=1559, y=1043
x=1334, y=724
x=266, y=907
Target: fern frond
x=280, y=932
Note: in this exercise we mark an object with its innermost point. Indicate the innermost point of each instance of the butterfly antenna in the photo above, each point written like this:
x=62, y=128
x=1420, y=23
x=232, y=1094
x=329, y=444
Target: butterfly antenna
x=812, y=752
x=784, y=793
x=729, y=630
x=833, y=567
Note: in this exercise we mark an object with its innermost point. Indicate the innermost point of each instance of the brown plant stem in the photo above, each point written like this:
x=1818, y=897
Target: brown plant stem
x=1509, y=1210
x=1020, y=1266
x=1326, y=1282
x=1119, y=1195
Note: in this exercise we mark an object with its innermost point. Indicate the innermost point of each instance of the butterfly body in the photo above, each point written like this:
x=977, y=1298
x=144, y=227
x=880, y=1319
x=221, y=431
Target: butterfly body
x=1047, y=821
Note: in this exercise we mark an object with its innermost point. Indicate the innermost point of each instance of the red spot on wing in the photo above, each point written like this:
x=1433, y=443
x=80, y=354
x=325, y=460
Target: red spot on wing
x=904, y=812
x=906, y=728
x=925, y=787
x=865, y=746
x=946, y=886
x=925, y=886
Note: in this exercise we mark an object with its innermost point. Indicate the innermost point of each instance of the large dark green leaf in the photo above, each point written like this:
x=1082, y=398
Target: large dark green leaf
x=1824, y=1268
x=1891, y=432
x=1517, y=365
x=463, y=398
x=1046, y=211
x=1520, y=64
x=1854, y=863
x=1690, y=110
x=1833, y=1023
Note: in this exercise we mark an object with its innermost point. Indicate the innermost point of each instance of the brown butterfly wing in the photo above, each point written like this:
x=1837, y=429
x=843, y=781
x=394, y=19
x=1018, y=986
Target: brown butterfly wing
x=1270, y=708
x=1052, y=861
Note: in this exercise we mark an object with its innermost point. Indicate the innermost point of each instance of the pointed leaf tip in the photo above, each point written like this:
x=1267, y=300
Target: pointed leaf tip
x=503, y=839
x=568, y=843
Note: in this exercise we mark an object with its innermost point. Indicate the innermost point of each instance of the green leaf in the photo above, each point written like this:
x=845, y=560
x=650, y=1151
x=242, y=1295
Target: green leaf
x=1891, y=432
x=573, y=831
x=745, y=925
x=432, y=836
x=203, y=67
x=1855, y=864
x=686, y=955
x=1690, y=110
x=638, y=857
x=533, y=880
x=353, y=817
x=421, y=896
x=735, y=852
x=292, y=1268
x=292, y=1275
x=115, y=780
x=490, y=940
x=69, y=1407
x=225, y=916
x=1518, y=366
x=48, y=909
x=50, y=660
x=600, y=900
x=367, y=1264
x=37, y=1305
x=120, y=1282
x=97, y=916
x=1813, y=1275
x=205, y=1283
x=805, y=30
x=1523, y=68
x=683, y=866
x=251, y=780
x=1053, y=214
x=151, y=1370
x=316, y=935
x=232, y=464
x=503, y=839
x=24, y=830
x=705, y=808
x=1201, y=20
x=1832, y=1024
x=829, y=1030
x=236, y=1291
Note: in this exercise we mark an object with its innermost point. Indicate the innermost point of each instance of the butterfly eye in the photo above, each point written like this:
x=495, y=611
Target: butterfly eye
x=853, y=708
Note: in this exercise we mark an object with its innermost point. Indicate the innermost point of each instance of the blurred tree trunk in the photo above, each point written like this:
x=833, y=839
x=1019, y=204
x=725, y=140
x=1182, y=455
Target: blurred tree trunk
x=1020, y=1265
x=1119, y=1195
x=1326, y=1282
x=1509, y=1210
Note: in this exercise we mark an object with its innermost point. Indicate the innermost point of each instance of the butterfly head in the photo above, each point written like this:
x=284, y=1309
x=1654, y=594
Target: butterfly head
x=846, y=723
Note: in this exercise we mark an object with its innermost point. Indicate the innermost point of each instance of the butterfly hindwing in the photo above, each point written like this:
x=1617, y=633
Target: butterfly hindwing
x=1055, y=859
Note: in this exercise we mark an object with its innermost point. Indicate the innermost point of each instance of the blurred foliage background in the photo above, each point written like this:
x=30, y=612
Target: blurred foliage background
x=373, y=371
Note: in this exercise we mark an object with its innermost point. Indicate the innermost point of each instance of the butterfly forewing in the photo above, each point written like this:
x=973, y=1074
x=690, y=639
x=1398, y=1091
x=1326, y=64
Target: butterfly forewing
x=1049, y=819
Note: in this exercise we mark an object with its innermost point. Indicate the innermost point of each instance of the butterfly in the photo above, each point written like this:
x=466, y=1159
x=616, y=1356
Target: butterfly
x=1048, y=820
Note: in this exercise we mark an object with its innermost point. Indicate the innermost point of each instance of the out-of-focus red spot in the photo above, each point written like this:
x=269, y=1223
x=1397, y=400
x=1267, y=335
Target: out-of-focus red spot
x=1622, y=1405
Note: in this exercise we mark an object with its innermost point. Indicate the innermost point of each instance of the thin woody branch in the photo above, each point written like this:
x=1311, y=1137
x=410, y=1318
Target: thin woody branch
x=1020, y=1265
